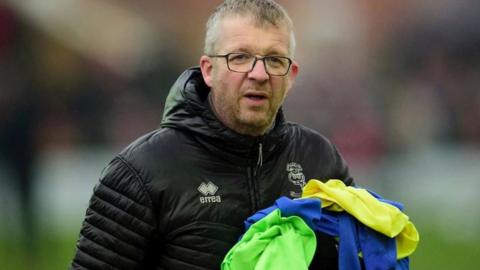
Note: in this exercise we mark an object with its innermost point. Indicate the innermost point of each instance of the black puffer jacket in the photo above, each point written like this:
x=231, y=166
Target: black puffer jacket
x=177, y=198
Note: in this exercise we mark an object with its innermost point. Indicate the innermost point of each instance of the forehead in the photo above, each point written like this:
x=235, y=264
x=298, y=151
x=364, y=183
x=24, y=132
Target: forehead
x=237, y=33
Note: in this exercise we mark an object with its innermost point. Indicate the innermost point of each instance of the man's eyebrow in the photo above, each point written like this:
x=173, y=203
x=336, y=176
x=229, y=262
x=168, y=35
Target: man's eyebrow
x=275, y=50
x=243, y=49
x=269, y=51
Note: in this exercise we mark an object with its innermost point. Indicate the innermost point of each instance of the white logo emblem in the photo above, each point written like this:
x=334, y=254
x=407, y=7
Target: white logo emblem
x=208, y=191
x=296, y=176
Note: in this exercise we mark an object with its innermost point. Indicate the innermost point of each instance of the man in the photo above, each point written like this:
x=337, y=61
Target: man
x=177, y=198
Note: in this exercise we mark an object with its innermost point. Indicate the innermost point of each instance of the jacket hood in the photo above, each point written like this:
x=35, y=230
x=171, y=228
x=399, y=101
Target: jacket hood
x=187, y=108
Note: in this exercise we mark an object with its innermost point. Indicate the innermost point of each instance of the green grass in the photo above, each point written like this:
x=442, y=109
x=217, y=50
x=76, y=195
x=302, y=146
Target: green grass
x=52, y=251
x=436, y=251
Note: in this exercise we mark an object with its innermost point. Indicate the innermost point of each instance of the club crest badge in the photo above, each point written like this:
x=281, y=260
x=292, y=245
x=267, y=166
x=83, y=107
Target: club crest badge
x=296, y=176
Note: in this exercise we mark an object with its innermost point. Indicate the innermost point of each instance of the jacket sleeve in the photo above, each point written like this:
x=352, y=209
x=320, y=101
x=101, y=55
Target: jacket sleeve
x=119, y=222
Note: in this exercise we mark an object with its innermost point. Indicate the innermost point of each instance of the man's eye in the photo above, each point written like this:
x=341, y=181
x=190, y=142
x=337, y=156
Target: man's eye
x=276, y=61
x=240, y=57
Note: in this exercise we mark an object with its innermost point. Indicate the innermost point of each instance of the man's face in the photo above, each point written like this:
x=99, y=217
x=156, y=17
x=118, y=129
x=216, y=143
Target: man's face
x=247, y=102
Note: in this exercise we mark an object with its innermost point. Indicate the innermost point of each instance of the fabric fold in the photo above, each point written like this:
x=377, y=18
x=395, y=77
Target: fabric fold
x=369, y=210
x=273, y=242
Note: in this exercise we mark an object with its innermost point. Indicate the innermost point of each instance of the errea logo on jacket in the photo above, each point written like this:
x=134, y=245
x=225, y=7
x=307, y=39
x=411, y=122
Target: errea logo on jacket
x=208, y=191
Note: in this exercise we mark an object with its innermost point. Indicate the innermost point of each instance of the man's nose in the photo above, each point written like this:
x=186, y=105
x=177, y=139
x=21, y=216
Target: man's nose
x=259, y=72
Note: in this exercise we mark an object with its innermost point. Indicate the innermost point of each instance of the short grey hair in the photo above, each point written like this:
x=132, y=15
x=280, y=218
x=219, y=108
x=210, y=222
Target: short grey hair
x=263, y=13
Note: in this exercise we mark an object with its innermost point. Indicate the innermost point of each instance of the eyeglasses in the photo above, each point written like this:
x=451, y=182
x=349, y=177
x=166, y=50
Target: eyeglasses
x=245, y=62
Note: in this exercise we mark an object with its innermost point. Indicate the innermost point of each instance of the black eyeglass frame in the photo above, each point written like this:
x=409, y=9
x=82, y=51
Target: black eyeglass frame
x=262, y=58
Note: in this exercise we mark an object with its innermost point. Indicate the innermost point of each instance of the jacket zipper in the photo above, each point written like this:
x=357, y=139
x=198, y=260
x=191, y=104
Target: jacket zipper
x=253, y=172
x=259, y=159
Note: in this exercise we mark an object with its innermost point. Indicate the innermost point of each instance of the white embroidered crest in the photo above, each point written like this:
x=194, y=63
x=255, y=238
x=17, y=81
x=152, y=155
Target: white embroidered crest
x=296, y=176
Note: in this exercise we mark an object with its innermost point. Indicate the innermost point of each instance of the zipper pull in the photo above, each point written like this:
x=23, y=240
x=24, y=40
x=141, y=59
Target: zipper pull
x=260, y=155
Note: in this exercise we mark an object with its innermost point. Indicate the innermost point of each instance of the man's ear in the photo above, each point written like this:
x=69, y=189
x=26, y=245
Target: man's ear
x=294, y=69
x=206, y=67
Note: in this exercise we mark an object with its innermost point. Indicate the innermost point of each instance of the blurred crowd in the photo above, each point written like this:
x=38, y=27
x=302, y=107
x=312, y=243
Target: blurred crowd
x=377, y=77
x=54, y=98
x=391, y=77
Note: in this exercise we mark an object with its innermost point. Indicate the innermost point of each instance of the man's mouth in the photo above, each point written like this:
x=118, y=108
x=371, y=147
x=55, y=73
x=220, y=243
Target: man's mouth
x=256, y=96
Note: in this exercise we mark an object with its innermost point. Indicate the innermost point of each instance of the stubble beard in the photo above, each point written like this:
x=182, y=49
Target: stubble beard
x=242, y=120
x=254, y=123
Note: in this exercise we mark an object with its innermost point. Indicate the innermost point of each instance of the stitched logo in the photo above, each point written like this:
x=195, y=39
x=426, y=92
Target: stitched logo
x=208, y=191
x=296, y=176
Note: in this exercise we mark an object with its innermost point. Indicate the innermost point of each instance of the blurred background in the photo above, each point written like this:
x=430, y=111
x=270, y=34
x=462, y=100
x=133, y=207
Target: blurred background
x=395, y=84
